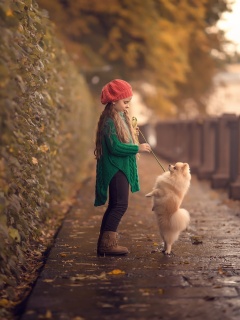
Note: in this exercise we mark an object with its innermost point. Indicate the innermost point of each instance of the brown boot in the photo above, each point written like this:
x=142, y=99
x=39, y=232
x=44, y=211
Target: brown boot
x=108, y=245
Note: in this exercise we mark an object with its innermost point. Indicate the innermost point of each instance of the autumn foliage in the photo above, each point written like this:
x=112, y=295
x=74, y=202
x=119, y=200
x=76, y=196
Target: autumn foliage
x=171, y=45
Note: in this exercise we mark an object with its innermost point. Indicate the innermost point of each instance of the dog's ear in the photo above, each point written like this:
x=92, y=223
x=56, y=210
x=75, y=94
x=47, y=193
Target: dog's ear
x=185, y=169
x=184, y=166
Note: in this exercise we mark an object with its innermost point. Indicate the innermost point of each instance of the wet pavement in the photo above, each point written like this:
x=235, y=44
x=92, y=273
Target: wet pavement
x=201, y=281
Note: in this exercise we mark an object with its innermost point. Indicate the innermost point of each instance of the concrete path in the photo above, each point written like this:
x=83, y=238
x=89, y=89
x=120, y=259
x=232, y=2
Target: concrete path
x=201, y=282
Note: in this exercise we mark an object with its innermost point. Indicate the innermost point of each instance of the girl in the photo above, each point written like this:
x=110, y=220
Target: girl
x=116, y=149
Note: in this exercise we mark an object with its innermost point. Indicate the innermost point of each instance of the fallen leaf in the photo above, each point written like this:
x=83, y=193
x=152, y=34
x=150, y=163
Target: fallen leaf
x=106, y=305
x=14, y=234
x=41, y=129
x=48, y=280
x=44, y=148
x=116, y=272
x=160, y=291
x=4, y=303
x=145, y=292
x=80, y=277
x=9, y=13
x=134, y=305
x=196, y=240
x=48, y=315
x=69, y=261
x=34, y=160
x=63, y=254
x=221, y=271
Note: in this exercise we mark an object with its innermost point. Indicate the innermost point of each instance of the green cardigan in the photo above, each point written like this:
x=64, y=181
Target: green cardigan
x=115, y=156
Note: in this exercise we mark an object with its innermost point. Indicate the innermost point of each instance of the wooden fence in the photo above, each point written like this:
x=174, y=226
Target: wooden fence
x=211, y=146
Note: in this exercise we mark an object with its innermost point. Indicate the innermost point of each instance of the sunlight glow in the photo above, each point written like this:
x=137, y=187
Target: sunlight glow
x=230, y=23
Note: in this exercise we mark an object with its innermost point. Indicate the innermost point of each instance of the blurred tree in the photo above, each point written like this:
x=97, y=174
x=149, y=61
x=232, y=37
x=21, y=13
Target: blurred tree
x=205, y=56
x=166, y=43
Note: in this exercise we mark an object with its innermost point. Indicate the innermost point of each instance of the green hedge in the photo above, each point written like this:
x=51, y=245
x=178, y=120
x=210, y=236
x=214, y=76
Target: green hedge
x=47, y=123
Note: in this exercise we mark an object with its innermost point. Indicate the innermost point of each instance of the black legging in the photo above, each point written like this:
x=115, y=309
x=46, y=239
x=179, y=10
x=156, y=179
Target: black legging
x=118, y=202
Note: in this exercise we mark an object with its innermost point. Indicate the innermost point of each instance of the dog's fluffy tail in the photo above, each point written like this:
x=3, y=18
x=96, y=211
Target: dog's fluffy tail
x=180, y=220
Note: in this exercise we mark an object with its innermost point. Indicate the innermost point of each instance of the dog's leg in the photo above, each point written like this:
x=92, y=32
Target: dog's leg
x=164, y=246
x=150, y=194
x=168, y=248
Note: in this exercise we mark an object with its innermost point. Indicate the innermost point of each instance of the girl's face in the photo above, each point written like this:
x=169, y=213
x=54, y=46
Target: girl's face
x=122, y=105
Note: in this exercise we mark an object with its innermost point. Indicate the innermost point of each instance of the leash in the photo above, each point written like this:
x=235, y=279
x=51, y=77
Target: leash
x=134, y=124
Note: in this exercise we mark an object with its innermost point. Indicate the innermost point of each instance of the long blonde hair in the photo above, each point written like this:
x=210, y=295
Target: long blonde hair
x=122, y=133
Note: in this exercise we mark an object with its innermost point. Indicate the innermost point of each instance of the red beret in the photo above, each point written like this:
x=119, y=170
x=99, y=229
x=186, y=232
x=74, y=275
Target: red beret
x=115, y=90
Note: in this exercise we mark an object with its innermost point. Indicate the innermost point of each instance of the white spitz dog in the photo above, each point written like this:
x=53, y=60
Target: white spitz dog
x=168, y=193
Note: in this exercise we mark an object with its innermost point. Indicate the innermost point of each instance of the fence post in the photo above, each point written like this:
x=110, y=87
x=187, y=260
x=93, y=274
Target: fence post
x=166, y=142
x=182, y=141
x=195, y=145
x=234, y=188
x=208, y=149
x=221, y=177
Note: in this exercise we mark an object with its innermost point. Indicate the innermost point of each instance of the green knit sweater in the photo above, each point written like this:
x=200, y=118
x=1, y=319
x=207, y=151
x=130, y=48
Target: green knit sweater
x=115, y=156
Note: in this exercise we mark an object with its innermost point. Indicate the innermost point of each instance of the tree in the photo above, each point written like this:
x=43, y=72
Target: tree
x=160, y=42
x=205, y=58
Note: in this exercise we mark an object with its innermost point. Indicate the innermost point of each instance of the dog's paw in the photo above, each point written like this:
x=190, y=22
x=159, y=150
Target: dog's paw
x=167, y=253
x=164, y=251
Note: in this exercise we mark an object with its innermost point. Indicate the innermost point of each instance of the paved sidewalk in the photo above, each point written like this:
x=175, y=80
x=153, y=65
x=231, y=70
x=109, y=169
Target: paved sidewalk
x=202, y=280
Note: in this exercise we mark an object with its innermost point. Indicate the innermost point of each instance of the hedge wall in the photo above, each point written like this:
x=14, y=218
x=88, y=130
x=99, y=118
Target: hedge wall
x=46, y=134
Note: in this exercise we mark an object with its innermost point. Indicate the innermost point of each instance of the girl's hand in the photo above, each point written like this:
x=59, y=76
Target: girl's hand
x=144, y=147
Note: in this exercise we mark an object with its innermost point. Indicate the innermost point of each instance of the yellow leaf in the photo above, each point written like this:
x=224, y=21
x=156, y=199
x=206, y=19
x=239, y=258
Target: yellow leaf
x=145, y=291
x=221, y=271
x=9, y=13
x=63, y=254
x=117, y=271
x=48, y=280
x=34, y=160
x=54, y=152
x=14, y=234
x=44, y=148
x=42, y=128
x=48, y=314
x=4, y=303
